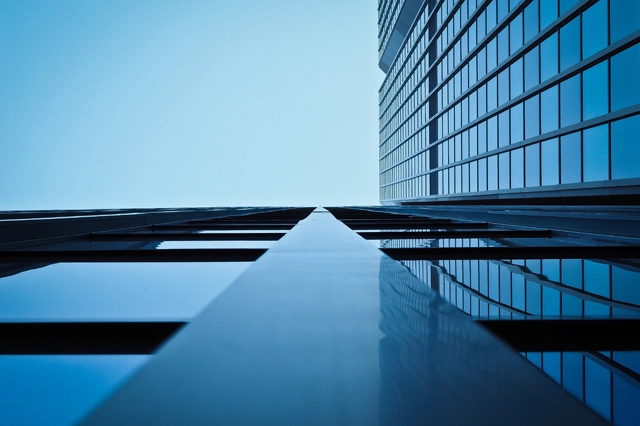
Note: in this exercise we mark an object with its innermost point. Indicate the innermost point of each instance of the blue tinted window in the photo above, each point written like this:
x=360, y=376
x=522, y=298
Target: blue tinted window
x=625, y=149
x=595, y=84
x=503, y=44
x=625, y=18
x=596, y=153
x=473, y=176
x=624, y=285
x=517, y=123
x=517, y=168
x=532, y=117
x=572, y=374
x=482, y=28
x=491, y=15
x=503, y=133
x=550, y=172
x=549, y=57
x=625, y=78
x=482, y=174
x=482, y=62
x=482, y=137
x=570, y=44
x=516, y=78
x=492, y=133
x=492, y=58
x=595, y=29
x=482, y=100
x=503, y=87
x=570, y=101
x=503, y=9
x=531, y=69
x=515, y=34
x=531, y=21
x=492, y=172
x=548, y=12
x=492, y=94
x=473, y=141
x=566, y=5
x=549, y=109
x=550, y=303
x=504, y=170
x=570, y=158
x=532, y=165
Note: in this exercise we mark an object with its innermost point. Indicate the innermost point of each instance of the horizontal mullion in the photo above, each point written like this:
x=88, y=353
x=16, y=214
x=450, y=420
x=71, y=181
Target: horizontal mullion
x=159, y=236
x=58, y=338
x=224, y=226
x=557, y=335
x=416, y=225
x=531, y=252
x=168, y=255
x=456, y=234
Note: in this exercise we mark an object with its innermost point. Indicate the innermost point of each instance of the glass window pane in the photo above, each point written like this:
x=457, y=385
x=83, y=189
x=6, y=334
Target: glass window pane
x=625, y=18
x=473, y=176
x=517, y=168
x=492, y=133
x=503, y=44
x=570, y=44
x=595, y=29
x=491, y=15
x=531, y=69
x=531, y=21
x=482, y=100
x=550, y=162
x=595, y=83
x=549, y=109
x=504, y=170
x=515, y=34
x=548, y=12
x=570, y=101
x=503, y=87
x=492, y=55
x=517, y=123
x=625, y=149
x=570, y=158
x=516, y=78
x=503, y=126
x=532, y=167
x=482, y=174
x=482, y=137
x=596, y=153
x=565, y=5
x=492, y=94
x=549, y=57
x=532, y=117
x=492, y=172
x=503, y=9
x=625, y=78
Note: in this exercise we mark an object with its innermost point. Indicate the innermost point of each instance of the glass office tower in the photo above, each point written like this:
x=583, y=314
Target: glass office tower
x=509, y=100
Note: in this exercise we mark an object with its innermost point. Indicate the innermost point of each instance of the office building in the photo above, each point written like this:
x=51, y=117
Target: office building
x=524, y=101
x=523, y=114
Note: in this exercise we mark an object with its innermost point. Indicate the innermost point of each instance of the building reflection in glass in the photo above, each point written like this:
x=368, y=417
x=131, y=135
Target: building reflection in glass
x=608, y=382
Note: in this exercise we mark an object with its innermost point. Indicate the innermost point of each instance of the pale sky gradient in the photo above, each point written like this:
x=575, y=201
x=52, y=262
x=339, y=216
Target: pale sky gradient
x=152, y=103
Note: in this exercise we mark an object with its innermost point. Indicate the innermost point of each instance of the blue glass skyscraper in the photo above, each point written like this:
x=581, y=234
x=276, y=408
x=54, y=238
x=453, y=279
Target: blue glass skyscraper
x=509, y=100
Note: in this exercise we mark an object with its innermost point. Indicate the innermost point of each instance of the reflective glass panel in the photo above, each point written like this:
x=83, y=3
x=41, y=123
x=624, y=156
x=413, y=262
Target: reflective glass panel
x=595, y=86
x=517, y=123
x=532, y=168
x=625, y=18
x=570, y=158
x=595, y=28
x=531, y=69
x=596, y=153
x=550, y=172
x=549, y=57
x=625, y=78
x=625, y=149
x=570, y=101
x=532, y=117
x=549, y=109
x=570, y=44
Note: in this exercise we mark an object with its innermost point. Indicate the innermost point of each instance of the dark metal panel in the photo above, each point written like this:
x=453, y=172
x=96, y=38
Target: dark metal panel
x=168, y=255
x=325, y=329
x=515, y=233
x=57, y=338
x=546, y=335
x=159, y=236
x=529, y=252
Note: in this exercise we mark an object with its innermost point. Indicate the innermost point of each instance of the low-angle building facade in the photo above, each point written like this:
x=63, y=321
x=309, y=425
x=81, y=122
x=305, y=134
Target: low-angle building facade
x=496, y=284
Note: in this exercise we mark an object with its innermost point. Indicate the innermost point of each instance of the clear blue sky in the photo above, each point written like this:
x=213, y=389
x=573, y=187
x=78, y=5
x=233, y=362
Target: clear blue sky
x=152, y=103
